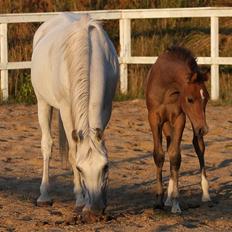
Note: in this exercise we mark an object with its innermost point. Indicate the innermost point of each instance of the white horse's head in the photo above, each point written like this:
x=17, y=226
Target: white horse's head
x=92, y=165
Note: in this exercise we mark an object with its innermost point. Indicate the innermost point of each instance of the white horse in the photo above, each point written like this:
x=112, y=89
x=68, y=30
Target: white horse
x=75, y=69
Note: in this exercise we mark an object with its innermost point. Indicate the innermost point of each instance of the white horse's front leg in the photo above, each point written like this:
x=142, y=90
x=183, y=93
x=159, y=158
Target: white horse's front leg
x=44, y=115
x=68, y=127
x=80, y=200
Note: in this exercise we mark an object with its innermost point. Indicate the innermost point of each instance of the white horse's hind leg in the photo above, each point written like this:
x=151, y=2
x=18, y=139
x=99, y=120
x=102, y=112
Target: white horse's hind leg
x=68, y=127
x=44, y=115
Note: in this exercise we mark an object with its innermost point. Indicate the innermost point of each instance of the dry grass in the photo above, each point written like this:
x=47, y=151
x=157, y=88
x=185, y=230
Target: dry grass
x=149, y=37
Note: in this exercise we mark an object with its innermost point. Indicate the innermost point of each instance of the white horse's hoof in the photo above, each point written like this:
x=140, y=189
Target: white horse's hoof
x=206, y=198
x=80, y=202
x=175, y=207
x=44, y=200
x=79, y=206
x=168, y=202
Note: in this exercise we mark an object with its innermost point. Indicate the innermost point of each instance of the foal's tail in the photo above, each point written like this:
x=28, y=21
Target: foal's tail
x=63, y=143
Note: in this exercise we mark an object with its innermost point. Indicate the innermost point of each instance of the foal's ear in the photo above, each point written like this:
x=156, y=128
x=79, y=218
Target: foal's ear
x=205, y=73
x=99, y=134
x=77, y=136
x=205, y=76
x=192, y=78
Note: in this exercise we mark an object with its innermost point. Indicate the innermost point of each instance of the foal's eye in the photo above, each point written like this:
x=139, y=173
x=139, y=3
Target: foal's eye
x=190, y=99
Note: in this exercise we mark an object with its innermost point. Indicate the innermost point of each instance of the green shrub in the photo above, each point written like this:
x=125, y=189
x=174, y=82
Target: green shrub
x=25, y=93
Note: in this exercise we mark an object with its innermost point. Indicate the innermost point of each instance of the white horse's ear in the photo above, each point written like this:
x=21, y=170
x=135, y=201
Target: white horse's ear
x=77, y=136
x=99, y=134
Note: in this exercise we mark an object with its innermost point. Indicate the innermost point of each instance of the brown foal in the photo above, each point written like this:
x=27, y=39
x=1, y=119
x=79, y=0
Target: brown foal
x=175, y=89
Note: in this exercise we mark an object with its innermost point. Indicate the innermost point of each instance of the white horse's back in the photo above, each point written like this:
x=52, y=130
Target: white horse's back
x=59, y=21
x=50, y=68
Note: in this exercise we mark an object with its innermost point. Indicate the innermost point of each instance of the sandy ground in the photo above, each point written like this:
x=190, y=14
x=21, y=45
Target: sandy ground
x=132, y=176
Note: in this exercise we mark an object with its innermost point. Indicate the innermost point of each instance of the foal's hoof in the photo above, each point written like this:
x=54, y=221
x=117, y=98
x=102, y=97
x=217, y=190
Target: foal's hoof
x=158, y=205
x=175, y=207
x=176, y=210
x=168, y=202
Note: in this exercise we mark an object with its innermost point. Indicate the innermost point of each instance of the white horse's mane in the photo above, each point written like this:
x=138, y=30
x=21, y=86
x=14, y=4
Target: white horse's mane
x=77, y=54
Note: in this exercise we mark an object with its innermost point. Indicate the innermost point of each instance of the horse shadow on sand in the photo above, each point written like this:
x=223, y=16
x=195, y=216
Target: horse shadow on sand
x=132, y=199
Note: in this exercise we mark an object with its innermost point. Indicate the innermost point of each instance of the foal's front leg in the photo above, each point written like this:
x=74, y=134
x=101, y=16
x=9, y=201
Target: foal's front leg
x=175, y=161
x=199, y=145
x=158, y=155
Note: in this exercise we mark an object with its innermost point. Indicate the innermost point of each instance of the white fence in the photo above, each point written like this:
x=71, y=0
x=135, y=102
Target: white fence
x=125, y=58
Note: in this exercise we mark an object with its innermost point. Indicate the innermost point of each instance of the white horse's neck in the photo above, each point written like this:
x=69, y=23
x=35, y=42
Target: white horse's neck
x=77, y=54
x=87, y=73
x=97, y=80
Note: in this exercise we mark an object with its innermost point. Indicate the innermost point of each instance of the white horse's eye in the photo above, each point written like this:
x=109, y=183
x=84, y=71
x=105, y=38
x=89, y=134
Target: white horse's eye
x=106, y=168
x=79, y=169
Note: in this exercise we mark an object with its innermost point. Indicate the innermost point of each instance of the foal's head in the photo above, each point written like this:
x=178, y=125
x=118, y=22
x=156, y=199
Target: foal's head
x=194, y=98
x=92, y=165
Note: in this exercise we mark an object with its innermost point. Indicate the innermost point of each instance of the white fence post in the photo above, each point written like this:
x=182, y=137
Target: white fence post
x=125, y=52
x=214, y=54
x=4, y=60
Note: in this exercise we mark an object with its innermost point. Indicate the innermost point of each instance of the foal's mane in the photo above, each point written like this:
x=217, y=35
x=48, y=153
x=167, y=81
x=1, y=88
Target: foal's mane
x=184, y=55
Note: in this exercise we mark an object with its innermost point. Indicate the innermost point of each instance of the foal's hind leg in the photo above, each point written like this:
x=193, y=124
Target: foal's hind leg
x=44, y=115
x=198, y=143
x=175, y=161
x=158, y=156
x=68, y=127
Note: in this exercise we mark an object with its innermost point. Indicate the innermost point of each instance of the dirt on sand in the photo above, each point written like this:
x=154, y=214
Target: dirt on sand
x=131, y=180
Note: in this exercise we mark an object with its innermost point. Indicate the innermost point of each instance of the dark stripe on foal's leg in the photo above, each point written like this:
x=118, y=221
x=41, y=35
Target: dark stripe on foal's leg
x=159, y=161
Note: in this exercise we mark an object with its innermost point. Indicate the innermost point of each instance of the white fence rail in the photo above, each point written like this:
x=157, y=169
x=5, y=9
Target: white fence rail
x=124, y=17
